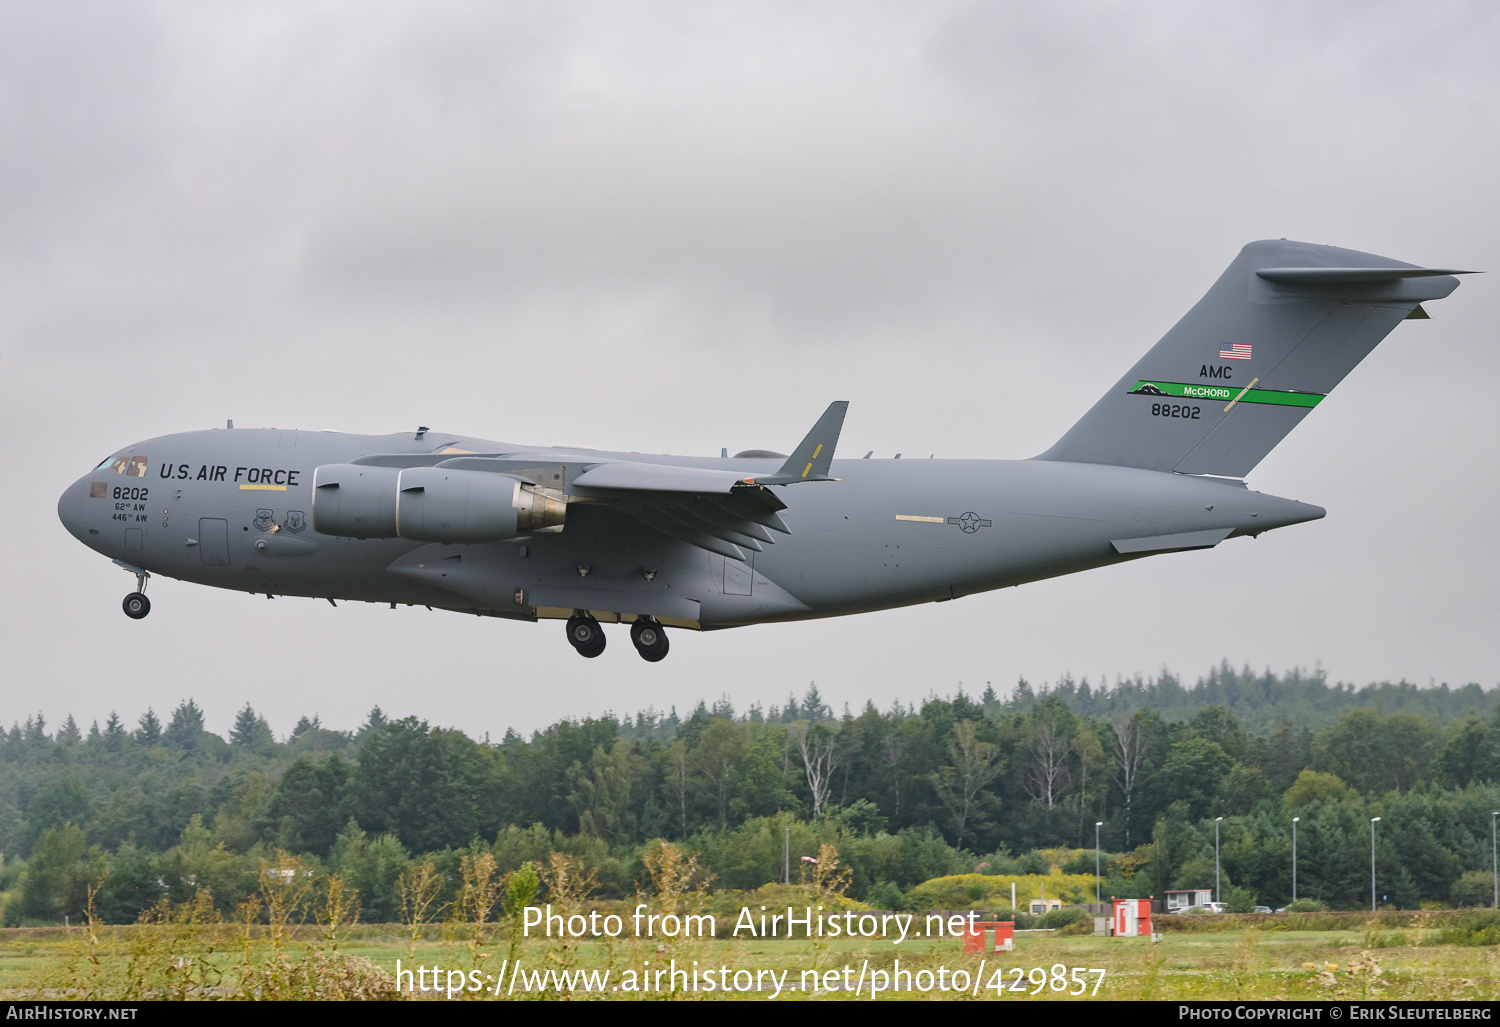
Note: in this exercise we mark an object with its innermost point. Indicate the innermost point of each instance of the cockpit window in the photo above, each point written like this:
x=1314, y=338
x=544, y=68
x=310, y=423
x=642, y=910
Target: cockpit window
x=130, y=466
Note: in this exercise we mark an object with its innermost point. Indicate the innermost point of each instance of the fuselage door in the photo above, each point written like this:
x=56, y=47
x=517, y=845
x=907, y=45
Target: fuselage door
x=213, y=541
x=739, y=577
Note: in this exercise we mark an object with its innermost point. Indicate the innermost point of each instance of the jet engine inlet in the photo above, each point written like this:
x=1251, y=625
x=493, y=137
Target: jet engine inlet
x=354, y=501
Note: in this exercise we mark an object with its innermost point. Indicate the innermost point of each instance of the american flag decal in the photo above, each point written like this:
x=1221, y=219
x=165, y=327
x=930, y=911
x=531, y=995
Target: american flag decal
x=1234, y=351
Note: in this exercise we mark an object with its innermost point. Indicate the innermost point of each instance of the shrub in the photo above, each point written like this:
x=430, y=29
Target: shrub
x=998, y=862
x=1474, y=888
x=1033, y=862
x=1065, y=917
x=983, y=891
x=1307, y=906
x=1082, y=862
x=1471, y=927
x=884, y=895
x=1239, y=900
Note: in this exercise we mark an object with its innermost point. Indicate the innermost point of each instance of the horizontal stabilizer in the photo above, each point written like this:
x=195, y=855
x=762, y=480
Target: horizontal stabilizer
x=1348, y=275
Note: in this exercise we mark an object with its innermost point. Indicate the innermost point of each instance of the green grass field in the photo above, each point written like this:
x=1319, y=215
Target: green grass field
x=1244, y=964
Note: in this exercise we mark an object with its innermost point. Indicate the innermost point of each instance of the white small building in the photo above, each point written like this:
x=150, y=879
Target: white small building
x=1182, y=898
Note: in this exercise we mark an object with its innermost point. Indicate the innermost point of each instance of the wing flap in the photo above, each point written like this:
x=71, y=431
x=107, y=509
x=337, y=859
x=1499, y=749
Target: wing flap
x=660, y=520
x=719, y=511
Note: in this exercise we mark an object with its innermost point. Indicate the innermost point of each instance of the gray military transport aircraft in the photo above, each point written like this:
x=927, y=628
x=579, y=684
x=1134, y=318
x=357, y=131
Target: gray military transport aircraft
x=530, y=533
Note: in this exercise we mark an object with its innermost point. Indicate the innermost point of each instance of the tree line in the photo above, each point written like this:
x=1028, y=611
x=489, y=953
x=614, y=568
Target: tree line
x=911, y=792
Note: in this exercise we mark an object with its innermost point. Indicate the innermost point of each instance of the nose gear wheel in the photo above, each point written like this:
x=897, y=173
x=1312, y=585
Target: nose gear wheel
x=136, y=605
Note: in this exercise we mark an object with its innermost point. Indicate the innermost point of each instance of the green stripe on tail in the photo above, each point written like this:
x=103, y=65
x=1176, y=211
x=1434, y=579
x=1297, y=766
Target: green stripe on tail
x=1225, y=394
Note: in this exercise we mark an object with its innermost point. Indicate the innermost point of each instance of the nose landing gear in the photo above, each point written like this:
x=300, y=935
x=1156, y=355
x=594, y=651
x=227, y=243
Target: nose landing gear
x=650, y=639
x=585, y=635
x=136, y=605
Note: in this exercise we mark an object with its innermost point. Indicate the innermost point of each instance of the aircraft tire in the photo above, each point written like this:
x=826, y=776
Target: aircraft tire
x=136, y=605
x=650, y=639
x=655, y=654
x=585, y=635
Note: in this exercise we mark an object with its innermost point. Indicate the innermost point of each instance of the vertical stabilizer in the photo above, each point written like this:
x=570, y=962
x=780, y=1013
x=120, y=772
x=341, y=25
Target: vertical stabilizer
x=1279, y=329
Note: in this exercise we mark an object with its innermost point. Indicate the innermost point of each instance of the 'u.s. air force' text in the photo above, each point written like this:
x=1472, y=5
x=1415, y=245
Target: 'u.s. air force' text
x=220, y=472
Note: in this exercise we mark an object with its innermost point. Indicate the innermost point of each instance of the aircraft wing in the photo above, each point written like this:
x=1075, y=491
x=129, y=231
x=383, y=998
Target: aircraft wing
x=636, y=477
x=718, y=510
x=721, y=511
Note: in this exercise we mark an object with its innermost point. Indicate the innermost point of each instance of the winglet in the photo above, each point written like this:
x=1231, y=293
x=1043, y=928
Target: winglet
x=812, y=458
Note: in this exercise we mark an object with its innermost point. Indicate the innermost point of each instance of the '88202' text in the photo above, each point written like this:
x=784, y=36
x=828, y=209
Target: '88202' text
x=1186, y=410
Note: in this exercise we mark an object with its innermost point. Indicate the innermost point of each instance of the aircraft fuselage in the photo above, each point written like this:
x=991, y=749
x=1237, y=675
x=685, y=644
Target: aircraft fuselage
x=233, y=508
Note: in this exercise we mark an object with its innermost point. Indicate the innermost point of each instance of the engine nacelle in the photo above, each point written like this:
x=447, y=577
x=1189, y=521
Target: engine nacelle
x=440, y=504
x=355, y=501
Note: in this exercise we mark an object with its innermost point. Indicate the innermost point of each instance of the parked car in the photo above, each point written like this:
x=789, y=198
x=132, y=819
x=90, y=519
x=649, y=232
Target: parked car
x=1261, y=909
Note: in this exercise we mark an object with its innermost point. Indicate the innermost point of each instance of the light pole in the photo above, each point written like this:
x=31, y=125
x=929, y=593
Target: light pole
x=1098, y=901
x=1218, y=891
x=1495, y=853
x=1294, y=858
x=1373, y=821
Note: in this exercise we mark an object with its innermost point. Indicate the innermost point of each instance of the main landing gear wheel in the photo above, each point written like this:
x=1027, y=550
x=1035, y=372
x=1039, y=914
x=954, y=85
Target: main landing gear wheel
x=585, y=635
x=650, y=639
x=136, y=605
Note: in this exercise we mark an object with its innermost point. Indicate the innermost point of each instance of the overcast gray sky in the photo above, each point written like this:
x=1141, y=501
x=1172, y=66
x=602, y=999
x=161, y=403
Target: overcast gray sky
x=675, y=227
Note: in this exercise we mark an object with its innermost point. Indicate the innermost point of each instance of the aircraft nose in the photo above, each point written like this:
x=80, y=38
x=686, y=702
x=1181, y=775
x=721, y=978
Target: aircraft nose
x=73, y=511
